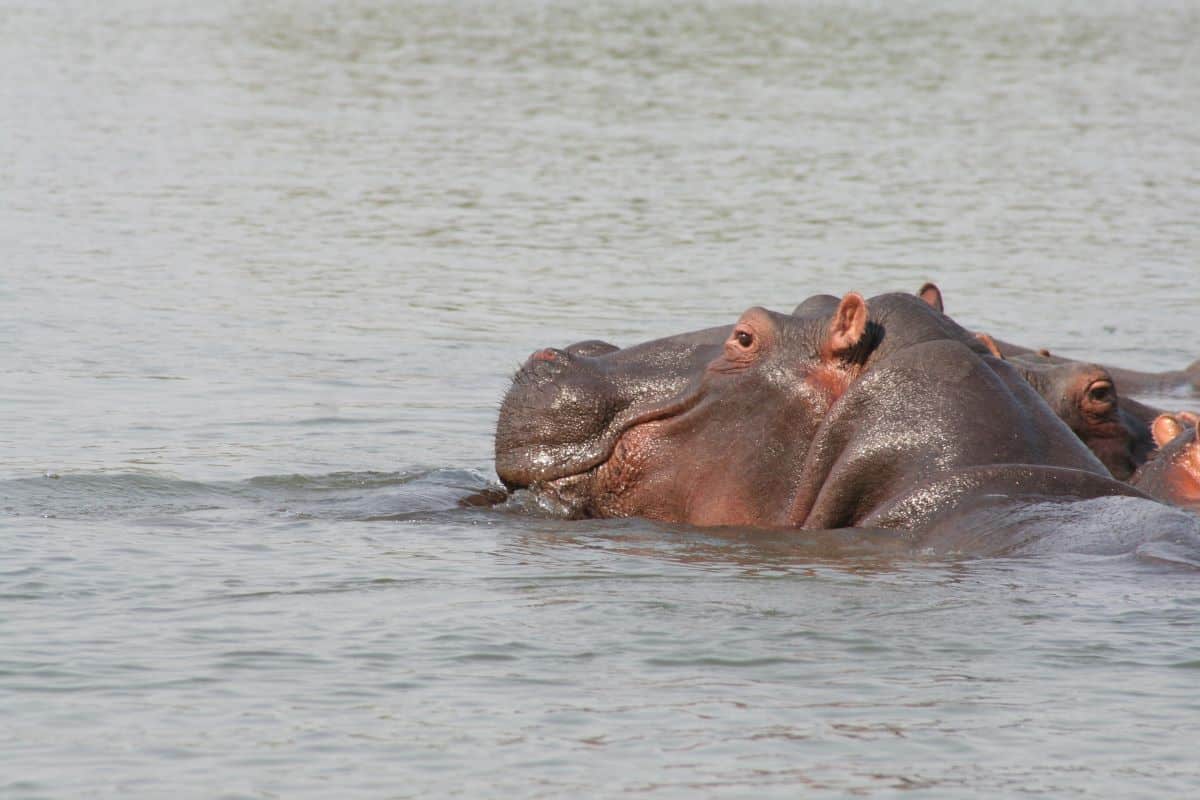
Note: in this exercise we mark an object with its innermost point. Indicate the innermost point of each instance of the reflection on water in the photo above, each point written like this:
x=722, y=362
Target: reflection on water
x=311, y=241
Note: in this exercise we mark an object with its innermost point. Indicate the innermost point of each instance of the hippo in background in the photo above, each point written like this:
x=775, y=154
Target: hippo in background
x=883, y=415
x=1173, y=473
x=1185, y=382
x=1131, y=381
x=1115, y=427
x=1085, y=397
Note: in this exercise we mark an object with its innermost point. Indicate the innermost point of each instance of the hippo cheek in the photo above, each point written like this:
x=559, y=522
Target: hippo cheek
x=659, y=470
x=1189, y=475
x=726, y=506
x=1183, y=487
x=1180, y=469
x=641, y=477
x=655, y=471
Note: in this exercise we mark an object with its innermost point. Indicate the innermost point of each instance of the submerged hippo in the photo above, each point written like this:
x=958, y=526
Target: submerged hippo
x=879, y=414
x=1131, y=381
x=1184, y=381
x=1085, y=397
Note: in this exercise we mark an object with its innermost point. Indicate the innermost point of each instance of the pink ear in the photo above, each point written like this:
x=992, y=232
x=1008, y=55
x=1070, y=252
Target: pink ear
x=932, y=296
x=1165, y=428
x=990, y=344
x=848, y=325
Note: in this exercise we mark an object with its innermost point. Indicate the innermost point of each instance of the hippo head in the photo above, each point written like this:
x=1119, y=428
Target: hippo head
x=1178, y=440
x=708, y=428
x=1173, y=472
x=1085, y=397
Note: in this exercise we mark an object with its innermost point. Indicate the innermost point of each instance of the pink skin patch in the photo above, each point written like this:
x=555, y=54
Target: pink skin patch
x=1184, y=477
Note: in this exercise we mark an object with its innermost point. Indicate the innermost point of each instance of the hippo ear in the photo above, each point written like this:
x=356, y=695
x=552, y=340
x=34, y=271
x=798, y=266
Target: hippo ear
x=990, y=344
x=932, y=296
x=1165, y=428
x=848, y=327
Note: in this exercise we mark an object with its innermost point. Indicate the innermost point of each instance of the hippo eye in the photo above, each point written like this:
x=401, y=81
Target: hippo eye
x=1100, y=392
x=744, y=338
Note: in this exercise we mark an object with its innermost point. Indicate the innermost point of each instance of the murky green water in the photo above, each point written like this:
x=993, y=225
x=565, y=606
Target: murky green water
x=266, y=269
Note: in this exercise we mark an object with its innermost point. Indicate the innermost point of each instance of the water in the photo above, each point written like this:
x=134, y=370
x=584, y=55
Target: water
x=267, y=269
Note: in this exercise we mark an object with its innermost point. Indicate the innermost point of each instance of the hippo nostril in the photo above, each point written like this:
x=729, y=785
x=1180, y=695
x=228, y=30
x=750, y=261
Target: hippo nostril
x=546, y=363
x=549, y=354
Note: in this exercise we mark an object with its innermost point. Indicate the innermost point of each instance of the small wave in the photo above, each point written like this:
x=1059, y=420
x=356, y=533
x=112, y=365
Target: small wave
x=322, y=421
x=337, y=495
x=86, y=494
x=336, y=481
x=715, y=661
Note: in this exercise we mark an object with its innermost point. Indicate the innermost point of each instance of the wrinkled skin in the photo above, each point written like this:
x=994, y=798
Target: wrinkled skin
x=1173, y=474
x=1084, y=396
x=1131, y=381
x=884, y=414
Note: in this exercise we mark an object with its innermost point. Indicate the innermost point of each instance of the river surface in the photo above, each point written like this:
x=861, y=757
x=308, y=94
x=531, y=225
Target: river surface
x=267, y=267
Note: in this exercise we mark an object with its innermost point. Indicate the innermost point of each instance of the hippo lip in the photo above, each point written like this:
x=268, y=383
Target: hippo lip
x=541, y=466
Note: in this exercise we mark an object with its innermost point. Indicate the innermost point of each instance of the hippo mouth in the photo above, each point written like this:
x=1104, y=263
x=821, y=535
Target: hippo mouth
x=564, y=470
x=589, y=490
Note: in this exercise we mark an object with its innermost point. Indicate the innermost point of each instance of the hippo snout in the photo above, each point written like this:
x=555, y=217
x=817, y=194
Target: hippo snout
x=566, y=407
x=592, y=348
x=547, y=364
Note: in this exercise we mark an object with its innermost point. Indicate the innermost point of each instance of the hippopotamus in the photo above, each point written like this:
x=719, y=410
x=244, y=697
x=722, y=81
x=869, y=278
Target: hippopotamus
x=883, y=415
x=1085, y=397
x=1131, y=381
x=1173, y=474
x=1175, y=381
